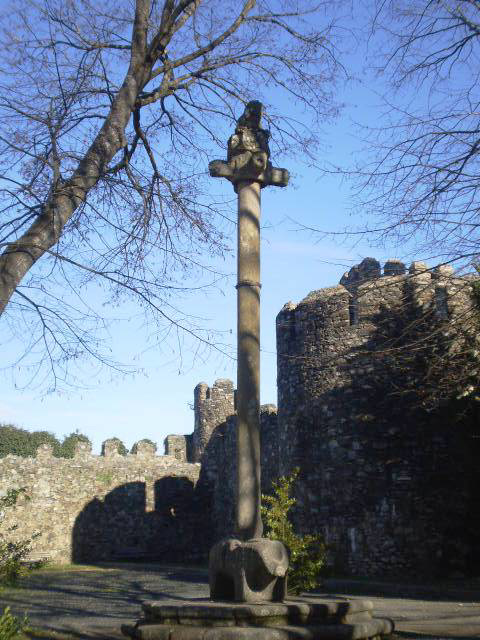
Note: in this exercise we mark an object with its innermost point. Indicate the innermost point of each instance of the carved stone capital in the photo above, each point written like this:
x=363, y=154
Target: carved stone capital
x=248, y=153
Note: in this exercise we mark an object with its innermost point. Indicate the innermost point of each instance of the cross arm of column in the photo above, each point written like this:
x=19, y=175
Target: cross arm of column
x=270, y=176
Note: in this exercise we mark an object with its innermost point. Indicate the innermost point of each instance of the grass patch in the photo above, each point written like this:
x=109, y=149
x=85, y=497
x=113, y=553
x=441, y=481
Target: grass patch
x=41, y=634
x=30, y=633
x=64, y=568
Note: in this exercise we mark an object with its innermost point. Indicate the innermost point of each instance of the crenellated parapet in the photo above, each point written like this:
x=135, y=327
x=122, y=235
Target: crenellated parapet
x=178, y=446
x=366, y=291
x=110, y=449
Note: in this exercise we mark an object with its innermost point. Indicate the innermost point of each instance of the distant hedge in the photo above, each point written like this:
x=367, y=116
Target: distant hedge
x=20, y=442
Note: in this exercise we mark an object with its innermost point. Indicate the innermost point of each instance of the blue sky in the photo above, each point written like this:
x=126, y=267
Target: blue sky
x=157, y=400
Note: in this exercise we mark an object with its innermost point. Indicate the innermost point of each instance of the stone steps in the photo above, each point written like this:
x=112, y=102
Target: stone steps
x=292, y=620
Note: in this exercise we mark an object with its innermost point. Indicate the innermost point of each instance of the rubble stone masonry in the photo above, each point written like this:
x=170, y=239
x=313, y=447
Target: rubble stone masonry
x=388, y=483
x=105, y=507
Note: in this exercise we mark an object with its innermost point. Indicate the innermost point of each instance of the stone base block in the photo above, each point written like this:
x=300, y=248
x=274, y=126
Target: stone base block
x=248, y=570
x=302, y=619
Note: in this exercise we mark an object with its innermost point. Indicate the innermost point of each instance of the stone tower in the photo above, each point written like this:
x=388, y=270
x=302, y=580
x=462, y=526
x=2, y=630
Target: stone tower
x=212, y=406
x=382, y=479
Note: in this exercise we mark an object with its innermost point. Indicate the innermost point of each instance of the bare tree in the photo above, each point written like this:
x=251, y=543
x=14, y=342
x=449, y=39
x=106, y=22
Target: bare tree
x=109, y=113
x=417, y=187
x=422, y=182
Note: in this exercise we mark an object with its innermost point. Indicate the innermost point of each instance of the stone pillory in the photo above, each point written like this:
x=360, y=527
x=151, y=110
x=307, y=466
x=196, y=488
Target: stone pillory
x=248, y=572
x=248, y=567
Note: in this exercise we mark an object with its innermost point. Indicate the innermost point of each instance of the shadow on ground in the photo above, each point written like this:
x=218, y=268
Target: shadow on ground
x=90, y=604
x=93, y=604
x=466, y=590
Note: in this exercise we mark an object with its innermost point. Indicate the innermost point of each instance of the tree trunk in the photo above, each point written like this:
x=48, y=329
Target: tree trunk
x=44, y=233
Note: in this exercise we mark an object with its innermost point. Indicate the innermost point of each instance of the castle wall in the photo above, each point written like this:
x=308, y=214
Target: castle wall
x=107, y=507
x=384, y=480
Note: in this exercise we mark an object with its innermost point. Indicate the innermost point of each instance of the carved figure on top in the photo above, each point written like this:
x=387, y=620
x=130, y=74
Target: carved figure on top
x=252, y=115
x=249, y=143
x=248, y=152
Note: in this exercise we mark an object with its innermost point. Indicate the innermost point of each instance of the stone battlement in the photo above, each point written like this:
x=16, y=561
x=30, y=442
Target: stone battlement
x=365, y=293
x=110, y=449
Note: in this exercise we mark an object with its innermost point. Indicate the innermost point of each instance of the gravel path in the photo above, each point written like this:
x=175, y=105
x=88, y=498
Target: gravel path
x=93, y=604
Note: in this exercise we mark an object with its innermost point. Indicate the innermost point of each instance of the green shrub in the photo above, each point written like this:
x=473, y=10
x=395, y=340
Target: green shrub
x=12, y=553
x=10, y=626
x=20, y=442
x=67, y=448
x=307, y=553
x=122, y=449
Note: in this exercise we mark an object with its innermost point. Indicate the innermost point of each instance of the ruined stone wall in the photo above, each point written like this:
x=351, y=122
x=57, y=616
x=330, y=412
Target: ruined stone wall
x=383, y=479
x=107, y=507
x=391, y=485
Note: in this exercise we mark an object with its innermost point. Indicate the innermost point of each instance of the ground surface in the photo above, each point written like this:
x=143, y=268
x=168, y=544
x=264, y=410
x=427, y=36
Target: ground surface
x=88, y=605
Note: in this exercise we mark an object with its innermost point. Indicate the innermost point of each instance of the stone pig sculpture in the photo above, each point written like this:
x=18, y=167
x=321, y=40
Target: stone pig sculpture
x=248, y=571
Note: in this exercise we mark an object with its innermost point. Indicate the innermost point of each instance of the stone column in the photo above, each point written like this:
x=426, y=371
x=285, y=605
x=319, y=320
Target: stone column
x=248, y=568
x=248, y=520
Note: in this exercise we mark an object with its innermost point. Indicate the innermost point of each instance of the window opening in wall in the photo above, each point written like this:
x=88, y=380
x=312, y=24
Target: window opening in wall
x=292, y=328
x=207, y=396
x=352, y=311
x=441, y=304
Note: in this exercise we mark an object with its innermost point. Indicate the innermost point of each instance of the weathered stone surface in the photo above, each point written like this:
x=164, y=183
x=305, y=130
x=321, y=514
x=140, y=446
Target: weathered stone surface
x=178, y=447
x=212, y=406
x=251, y=568
x=373, y=629
x=248, y=571
x=248, y=153
x=294, y=619
x=271, y=176
x=217, y=417
x=105, y=507
x=371, y=469
x=390, y=492
x=385, y=482
x=294, y=611
x=144, y=449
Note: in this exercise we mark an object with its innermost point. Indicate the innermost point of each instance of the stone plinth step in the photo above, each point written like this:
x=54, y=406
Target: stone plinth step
x=291, y=620
x=376, y=628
